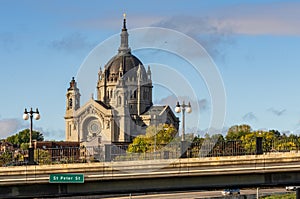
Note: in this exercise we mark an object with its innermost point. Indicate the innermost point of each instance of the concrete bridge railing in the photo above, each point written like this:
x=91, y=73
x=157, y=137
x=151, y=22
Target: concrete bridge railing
x=152, y=168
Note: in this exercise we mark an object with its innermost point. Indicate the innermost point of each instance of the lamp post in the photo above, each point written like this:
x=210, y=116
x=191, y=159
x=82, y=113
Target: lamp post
x=184, y=107
x=155, y=133
x=26, y=116
x=259, y=145
x=178, y=109
x=155, y=130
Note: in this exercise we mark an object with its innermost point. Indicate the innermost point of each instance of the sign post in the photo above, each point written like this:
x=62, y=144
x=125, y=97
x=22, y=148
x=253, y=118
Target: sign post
x=66, y=178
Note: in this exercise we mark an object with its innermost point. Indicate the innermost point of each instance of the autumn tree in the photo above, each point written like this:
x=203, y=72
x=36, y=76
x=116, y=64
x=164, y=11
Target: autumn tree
x=140, y=144
x=241, y=138
x=155, y=137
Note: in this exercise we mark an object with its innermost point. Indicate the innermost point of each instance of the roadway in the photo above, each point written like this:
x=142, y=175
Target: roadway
x=196, y=194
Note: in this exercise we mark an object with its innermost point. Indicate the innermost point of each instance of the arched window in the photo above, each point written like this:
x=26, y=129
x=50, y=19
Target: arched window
x=70, y=130
x=70, y=103
x=119, y=100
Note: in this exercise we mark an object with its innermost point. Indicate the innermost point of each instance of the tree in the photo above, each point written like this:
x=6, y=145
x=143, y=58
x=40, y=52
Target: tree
x=23, y=137
x=276, y=133
x=155, y=137
x=43, y=156
x=249, y=142
x=140, y=144
x=237, y=131
x=5, y=158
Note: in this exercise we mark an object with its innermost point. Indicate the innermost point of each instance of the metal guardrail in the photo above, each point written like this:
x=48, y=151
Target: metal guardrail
x=169, y=151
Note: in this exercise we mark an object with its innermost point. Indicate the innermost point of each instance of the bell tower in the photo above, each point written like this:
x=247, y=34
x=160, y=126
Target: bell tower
x=72, y=104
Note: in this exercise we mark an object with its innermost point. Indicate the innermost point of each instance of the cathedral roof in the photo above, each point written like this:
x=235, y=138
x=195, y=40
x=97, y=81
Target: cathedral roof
x=124, y=61
x=102, y=104
x=155, y=110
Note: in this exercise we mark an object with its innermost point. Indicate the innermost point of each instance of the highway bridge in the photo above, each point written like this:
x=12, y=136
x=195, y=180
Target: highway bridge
x=274, y=169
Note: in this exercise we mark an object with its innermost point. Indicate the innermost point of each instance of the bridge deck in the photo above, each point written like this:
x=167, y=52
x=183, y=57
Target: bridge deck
x=242, y=171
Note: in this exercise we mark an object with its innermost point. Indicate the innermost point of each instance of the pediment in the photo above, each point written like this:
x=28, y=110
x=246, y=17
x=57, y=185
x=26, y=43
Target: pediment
x=92, y=108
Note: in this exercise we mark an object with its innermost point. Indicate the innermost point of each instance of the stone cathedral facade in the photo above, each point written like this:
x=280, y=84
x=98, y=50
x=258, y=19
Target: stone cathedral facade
x=123, y=108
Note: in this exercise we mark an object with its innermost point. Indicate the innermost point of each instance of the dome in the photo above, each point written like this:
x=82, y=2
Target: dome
x=123, y=63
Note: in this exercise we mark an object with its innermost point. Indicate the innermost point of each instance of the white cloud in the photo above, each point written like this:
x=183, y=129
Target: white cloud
x=197, y=104
x=249, y=117
x=277, y=112
x=213, y=31
x=115, y=23
x=281, y=18
x=262, y=19
x=12, y=126
x=9, y=127
x=205, y=30
x=52, y=134
x=71, y=43
x=278, y=18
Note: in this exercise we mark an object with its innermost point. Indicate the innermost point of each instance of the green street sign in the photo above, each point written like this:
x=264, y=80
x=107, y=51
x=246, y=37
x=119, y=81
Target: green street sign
x=66, y=178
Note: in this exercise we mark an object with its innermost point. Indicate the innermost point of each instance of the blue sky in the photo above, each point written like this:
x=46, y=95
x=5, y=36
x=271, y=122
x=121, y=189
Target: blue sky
x=254, y=44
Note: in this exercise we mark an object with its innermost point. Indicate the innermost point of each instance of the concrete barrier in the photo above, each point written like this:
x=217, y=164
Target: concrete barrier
x=114, y=170
x=187, y=173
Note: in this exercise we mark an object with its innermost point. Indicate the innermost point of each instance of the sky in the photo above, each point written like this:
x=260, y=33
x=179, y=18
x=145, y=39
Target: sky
x=254, y=45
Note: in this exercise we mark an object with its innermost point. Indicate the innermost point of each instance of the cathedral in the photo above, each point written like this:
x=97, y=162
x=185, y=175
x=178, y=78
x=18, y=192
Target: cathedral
x=123, y=107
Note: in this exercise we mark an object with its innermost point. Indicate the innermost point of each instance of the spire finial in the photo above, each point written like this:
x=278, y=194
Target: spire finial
x=72, y=84
x=124, y=21
x=73, y=81
x=124, y=48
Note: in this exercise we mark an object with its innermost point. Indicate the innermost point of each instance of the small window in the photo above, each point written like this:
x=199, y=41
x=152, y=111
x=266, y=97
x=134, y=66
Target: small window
x=70, y=130
x=119, y=100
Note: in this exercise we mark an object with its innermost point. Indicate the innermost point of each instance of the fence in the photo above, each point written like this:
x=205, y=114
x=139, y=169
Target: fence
x=207, y=148
x=119, y=152
x=57, y=155
x=166, y=151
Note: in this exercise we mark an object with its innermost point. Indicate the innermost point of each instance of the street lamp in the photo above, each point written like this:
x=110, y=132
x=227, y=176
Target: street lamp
x=153, y=118
x=178, y=109
x=26, y=116
x=184, y=107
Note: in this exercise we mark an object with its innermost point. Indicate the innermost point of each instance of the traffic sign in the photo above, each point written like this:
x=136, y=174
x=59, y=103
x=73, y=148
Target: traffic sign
x=66, y=178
